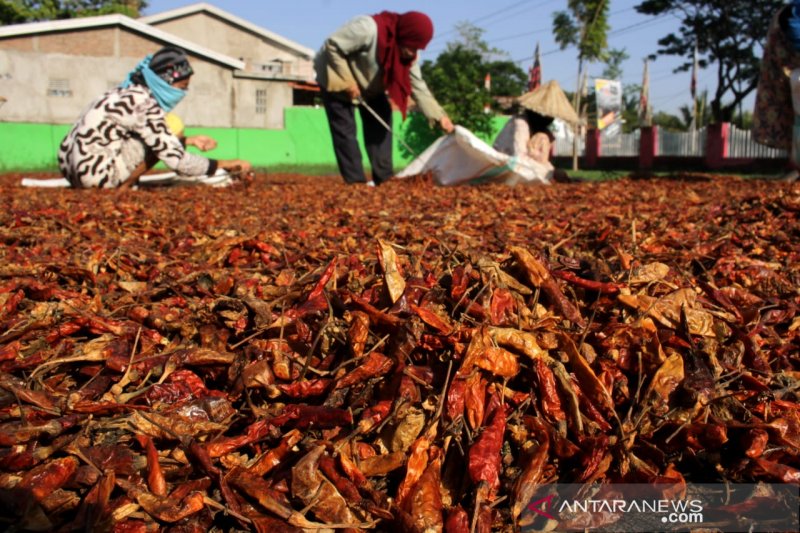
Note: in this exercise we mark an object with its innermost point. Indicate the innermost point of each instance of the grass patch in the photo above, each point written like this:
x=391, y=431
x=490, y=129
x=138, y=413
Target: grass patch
x=598, y=175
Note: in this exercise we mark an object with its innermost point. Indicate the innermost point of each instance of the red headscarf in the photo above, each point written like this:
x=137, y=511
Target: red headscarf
x=410, y=30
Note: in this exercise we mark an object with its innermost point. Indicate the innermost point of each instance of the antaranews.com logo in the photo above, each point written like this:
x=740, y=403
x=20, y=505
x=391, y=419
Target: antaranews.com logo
x=633, y=507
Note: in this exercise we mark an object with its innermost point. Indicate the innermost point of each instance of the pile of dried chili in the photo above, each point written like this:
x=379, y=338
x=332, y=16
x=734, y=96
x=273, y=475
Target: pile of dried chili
x=302, y=355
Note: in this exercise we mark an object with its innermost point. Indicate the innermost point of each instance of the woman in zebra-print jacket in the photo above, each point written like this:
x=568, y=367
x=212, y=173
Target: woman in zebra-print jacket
x=124, y=132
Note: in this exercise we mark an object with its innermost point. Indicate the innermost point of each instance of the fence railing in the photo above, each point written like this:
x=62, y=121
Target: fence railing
x=624, y=144
x=563, y=146
x=741, y=144
x=682, y=143
x=718, y=145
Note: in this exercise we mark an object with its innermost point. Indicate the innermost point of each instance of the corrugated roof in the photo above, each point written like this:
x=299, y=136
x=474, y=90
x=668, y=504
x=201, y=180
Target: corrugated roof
x=164, y=16
x=85, y=23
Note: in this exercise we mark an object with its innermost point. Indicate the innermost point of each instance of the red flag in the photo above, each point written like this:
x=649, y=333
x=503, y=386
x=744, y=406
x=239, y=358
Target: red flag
x=535, y=79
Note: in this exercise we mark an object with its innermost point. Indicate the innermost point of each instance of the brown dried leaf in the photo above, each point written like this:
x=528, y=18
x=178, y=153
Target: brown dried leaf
x=395, y=283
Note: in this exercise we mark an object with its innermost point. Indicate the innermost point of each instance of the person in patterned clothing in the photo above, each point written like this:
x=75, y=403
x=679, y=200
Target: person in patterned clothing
x=124, y=133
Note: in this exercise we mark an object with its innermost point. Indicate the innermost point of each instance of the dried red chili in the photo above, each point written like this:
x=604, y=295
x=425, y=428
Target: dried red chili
x=484, y=463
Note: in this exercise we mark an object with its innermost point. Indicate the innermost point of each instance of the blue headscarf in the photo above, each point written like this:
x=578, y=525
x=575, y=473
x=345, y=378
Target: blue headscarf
x=793, y=25
x=165, y=94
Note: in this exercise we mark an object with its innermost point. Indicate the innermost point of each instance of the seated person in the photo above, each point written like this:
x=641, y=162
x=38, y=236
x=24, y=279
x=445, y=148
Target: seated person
x=526, y=135
x=520, y=131
x=125, y=132
x=539, y=146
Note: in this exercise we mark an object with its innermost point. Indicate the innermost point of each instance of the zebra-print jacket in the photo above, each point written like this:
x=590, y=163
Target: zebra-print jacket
x=115, y=134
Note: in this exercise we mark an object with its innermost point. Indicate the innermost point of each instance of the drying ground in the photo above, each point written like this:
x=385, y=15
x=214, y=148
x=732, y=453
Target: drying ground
x=295, y=352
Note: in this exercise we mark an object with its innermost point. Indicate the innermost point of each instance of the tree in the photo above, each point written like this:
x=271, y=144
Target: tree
x=744, y=120
x=669, y=122
x=584, y=25
x=88, y=8
x=457, y=77
x=704, y=117
x=16, y=11
x=614, y=59
x=471, y=38
x=507, y=78
x=19, y=11
x=630, y=107
x=728, y=33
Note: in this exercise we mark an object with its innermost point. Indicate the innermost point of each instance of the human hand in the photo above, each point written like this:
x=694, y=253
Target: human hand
x=446, y=124
x=236, y=165
x=201, y=142
x=353, y=92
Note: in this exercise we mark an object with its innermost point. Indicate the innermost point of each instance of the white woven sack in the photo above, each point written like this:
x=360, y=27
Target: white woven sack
x=462, y=158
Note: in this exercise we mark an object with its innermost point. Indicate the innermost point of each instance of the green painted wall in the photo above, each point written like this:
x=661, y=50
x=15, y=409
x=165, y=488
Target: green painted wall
x=305, y=144
x=29, y=146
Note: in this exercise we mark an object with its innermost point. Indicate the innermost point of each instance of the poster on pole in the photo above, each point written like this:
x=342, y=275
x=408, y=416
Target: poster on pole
x=608, y=94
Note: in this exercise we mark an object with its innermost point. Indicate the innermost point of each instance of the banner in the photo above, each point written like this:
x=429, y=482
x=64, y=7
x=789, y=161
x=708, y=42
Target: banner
x=608, y=95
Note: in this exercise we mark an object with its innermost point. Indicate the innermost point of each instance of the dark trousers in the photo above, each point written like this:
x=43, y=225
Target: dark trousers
x=377, y=140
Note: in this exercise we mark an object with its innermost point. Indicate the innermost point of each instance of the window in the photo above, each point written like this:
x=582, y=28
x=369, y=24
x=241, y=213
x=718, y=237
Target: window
x=273, y=67
x=261, y=101
x=59, y=88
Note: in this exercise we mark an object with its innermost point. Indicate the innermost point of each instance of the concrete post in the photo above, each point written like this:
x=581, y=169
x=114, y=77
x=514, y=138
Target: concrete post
x=648, y=146
x=717, y=144
x=593, y=148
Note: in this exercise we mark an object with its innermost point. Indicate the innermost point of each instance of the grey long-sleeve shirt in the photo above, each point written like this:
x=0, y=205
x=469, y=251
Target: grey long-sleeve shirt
x=349, y=56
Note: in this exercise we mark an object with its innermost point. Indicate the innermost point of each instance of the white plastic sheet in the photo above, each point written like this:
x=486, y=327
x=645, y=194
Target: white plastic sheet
x=462, y=158
x=166, y=179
